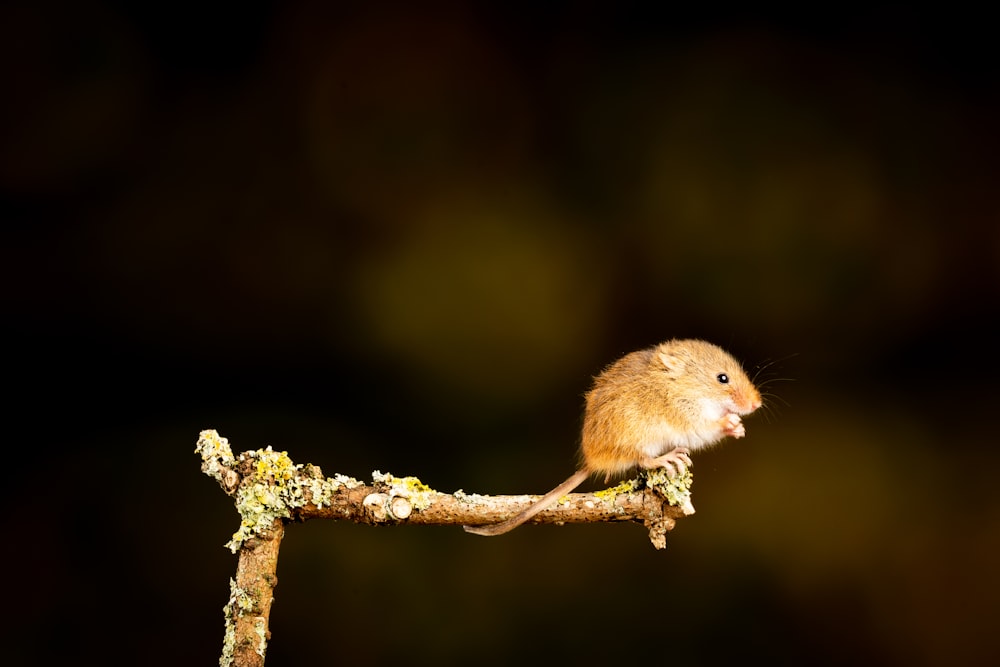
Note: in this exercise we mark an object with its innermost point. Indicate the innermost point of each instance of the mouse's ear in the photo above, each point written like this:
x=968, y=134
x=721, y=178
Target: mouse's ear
x=674, y=364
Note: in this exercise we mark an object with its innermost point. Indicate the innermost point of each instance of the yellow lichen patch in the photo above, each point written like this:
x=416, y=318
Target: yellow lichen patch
x=411, y=488
x=272, y=465
x=628, y=486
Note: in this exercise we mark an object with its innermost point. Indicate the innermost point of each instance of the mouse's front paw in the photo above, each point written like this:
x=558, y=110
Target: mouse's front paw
x=733, y=425
x=675, y=462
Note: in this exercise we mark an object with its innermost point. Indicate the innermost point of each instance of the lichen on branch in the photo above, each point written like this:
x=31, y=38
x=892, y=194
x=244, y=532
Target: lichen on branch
x=268, y=486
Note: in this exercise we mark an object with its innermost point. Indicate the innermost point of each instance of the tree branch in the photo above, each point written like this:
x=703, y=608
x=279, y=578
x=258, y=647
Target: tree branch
x=269, y=490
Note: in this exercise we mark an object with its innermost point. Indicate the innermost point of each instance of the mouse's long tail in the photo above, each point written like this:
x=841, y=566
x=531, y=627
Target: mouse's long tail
x=543, y=503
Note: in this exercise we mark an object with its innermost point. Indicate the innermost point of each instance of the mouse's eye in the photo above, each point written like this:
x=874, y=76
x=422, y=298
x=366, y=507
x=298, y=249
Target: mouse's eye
x=722, y=378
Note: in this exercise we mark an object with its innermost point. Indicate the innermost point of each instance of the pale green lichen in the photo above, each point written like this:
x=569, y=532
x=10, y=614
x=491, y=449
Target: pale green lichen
x=345, y=481
x=419, y=494
x=260, y=628
x=216, y=454
x=677, y=490
x=241, y=599
x=471, y=498
x=320, y=491
x=240, y=603
x=229, y=641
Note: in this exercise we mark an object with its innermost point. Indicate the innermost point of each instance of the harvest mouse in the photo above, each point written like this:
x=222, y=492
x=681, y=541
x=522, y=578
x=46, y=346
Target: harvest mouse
x=650, y=409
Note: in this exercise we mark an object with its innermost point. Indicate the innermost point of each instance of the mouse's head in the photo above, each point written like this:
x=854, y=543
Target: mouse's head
x=711, y=374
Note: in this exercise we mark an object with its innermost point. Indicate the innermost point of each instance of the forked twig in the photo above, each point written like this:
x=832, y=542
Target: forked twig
x=270, y=490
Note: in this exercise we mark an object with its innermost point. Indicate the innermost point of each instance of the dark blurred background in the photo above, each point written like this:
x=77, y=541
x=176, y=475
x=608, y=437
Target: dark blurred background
x=397, y=238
